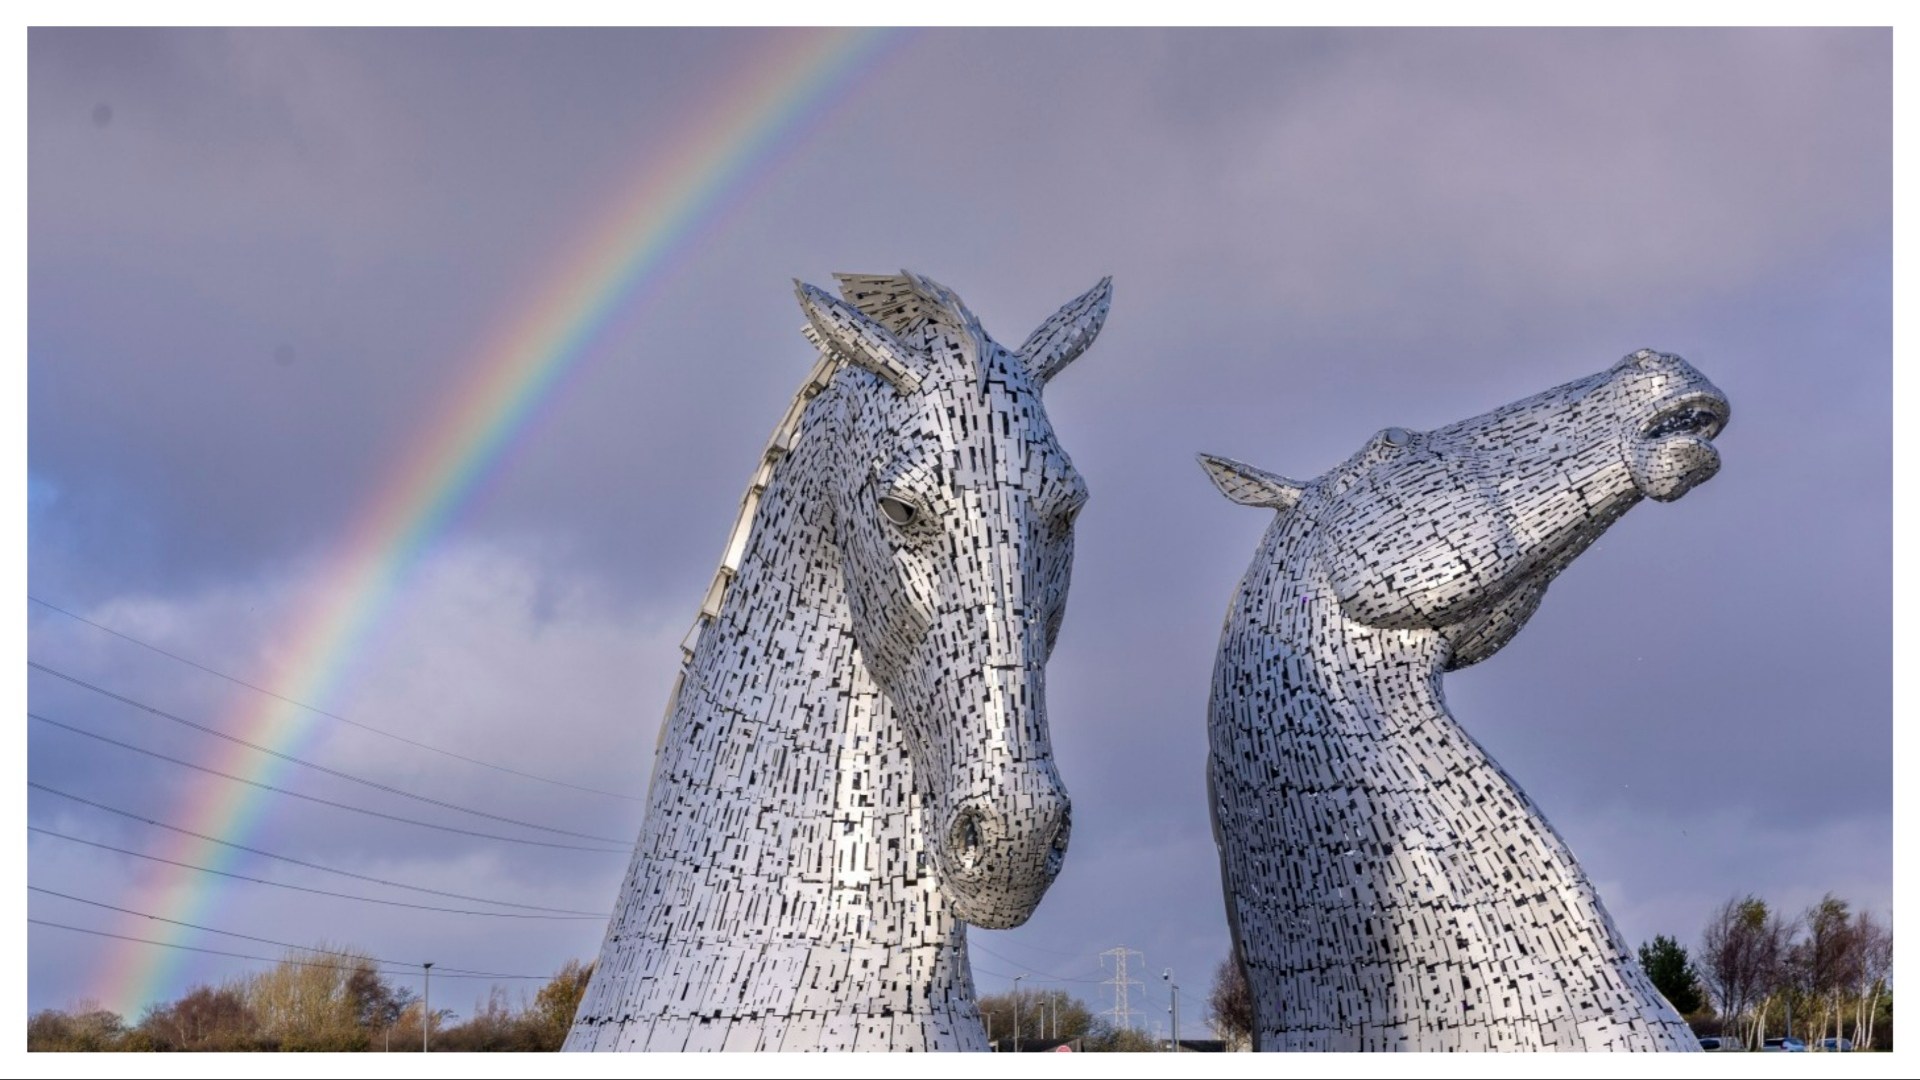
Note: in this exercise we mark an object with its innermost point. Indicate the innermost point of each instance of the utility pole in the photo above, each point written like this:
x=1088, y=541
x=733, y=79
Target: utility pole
x=426, y=1005
x=1168, y=976
x=1122, y=1016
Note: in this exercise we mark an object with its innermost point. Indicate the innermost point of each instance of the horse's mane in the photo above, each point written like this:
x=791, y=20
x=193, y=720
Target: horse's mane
x=900, y=302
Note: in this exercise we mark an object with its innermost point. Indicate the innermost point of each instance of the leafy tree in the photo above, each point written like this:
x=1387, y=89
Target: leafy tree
x=1232, y=1004
x=1666, y=963
x=382, y=1019
x=553, y=1007
x=1832, y=962
x=497, y=1025
x=1743, y=961
x=404, y=1035
x=369, y=997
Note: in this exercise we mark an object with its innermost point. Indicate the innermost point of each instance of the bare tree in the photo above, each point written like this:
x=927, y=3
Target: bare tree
x=312, y=1000
x=84, y=1026
x=1873, y=975
x=1232, y=1005
x=205, y=1018
x=1773, y=939
x=1724, y=967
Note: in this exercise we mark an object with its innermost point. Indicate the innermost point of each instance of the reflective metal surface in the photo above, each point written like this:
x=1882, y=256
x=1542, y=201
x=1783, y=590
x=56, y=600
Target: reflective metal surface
x=1388, y=886
x=856, y=763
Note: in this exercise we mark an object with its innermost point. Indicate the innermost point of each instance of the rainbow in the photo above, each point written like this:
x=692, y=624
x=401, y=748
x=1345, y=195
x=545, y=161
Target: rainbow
x=678, y=192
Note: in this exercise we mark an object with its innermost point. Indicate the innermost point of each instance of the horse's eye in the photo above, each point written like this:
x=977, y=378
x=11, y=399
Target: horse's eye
x=899, y=512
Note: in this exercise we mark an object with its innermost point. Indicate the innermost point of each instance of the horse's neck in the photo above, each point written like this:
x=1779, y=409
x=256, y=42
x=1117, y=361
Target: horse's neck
x=1361, y=709
x=775, y=900
x=1399, y=836
x=780, y=726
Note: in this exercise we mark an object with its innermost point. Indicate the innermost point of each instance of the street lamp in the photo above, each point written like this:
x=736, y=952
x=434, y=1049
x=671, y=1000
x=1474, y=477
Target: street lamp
x=1168, y=976
x=1016, y=1012
x=426, y=1004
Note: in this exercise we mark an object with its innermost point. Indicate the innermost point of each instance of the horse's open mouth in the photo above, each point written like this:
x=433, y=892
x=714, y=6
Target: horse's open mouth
x=1697, y=414
x=1674, y=450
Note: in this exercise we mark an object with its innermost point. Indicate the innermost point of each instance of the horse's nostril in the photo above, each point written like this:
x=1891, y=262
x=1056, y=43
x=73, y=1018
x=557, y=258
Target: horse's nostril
x=964, y=840
x=1057, y=849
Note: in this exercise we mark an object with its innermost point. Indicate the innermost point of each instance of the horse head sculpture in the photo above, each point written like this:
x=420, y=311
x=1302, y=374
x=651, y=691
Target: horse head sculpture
x=855, y=762
x=1457, y=531
x=1388, y=886
x=952, y=507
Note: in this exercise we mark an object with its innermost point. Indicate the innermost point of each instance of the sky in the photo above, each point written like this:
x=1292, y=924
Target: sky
x=264, y=265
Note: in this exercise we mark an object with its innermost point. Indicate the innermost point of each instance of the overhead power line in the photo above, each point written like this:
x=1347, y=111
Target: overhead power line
x=305, y=888
x=316, y=710
x=318, y=799
x=1031, y=972
x=302, y=862
x=1038, y=948
x=302, y=762
x=270, y=941
x=262, y=959
x=1029, y=976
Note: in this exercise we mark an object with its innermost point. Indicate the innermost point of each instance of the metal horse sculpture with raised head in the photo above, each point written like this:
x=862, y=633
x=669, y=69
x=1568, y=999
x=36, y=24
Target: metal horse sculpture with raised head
x=855, y=762
x=1388, y=886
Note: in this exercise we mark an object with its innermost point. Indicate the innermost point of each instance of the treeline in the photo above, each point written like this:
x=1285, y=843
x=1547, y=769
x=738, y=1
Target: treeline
x=1824, y=973
x=321, y=1000
x=1054, y=1016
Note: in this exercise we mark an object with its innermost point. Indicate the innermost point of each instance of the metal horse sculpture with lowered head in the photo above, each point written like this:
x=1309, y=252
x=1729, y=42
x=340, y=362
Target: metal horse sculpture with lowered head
x=1388, y=886
x=855, y=761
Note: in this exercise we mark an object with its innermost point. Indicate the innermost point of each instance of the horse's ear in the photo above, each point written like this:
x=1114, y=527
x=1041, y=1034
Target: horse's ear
x=837, y=327
x=1061, y=339
x=1249, y=486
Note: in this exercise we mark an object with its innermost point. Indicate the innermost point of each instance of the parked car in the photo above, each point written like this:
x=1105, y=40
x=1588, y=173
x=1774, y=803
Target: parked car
x=1721, y=1042
x=1786, y=1045
x=1837, y=1046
